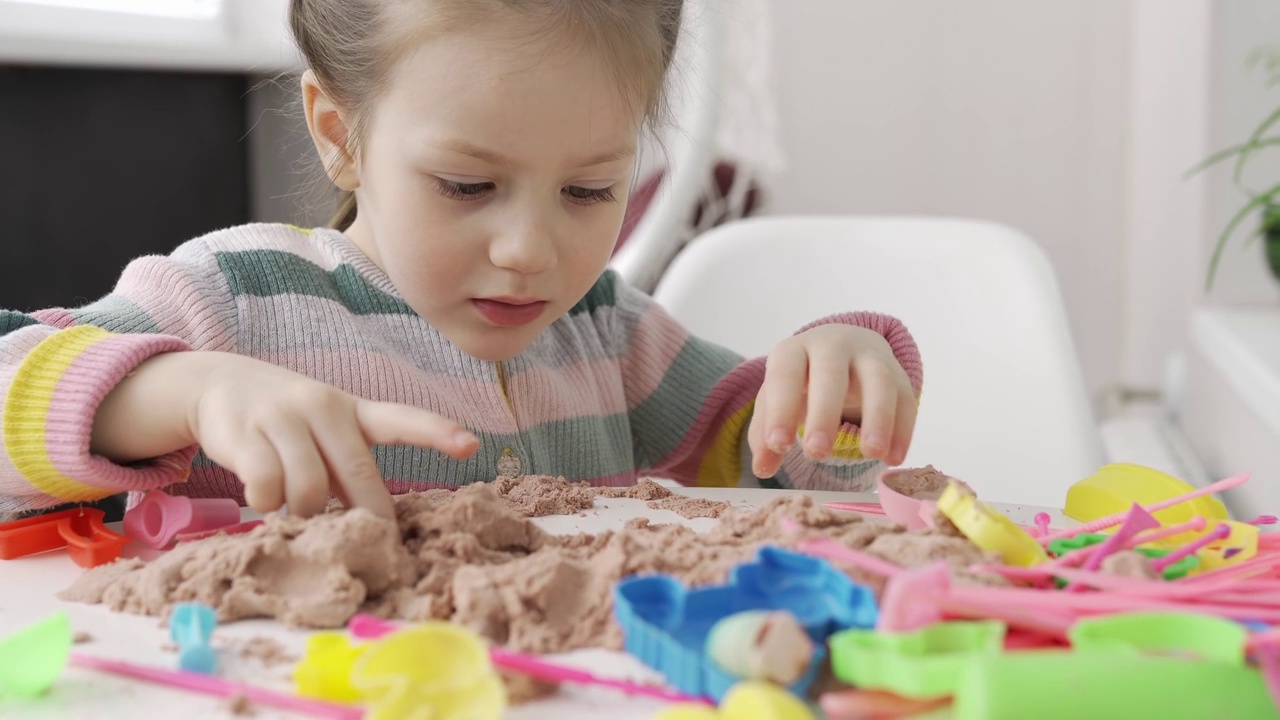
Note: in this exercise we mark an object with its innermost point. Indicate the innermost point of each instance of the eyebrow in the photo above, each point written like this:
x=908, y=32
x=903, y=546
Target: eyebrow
x=465, y=148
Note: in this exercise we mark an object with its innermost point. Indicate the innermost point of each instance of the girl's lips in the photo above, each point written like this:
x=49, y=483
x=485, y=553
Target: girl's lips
x=509, y=314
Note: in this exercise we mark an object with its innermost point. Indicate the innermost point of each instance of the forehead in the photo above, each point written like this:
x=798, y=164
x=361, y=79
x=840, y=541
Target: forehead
x=534, y=99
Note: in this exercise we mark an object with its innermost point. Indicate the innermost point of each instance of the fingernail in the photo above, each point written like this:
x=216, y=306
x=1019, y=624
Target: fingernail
x=872, y=444
x=818, y=443
x=462, y=437
x=779, y=440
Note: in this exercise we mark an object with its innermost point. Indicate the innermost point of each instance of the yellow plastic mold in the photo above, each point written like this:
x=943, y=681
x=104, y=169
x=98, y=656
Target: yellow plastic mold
x=990, y=529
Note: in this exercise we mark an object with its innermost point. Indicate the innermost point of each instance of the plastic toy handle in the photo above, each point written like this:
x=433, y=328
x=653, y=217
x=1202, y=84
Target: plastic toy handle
x=210, y=685
x=536, y=667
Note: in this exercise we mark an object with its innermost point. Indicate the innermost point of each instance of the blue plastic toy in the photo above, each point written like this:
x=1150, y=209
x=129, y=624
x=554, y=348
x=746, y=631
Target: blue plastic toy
x=666, y=625
x=190, y=626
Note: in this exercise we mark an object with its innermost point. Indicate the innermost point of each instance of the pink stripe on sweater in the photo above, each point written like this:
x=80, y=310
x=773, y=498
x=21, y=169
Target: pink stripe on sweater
x=728, y=396
x=174, y=300
x=545, y=394
x=900, y=341
x=652, y=350
x=75, y=402
x=384, y=378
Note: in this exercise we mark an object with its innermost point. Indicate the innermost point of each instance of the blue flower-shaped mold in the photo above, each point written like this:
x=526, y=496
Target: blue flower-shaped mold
x=666, y=625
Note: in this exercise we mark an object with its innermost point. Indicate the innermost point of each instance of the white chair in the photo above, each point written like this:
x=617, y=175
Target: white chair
x=1004, y=405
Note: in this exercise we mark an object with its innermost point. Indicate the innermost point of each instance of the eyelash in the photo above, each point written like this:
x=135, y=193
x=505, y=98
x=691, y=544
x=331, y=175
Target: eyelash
x=466, y=192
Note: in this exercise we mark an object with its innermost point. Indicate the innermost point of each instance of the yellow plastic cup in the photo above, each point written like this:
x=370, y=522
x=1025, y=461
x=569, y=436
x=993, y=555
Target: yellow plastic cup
x=1116, y=487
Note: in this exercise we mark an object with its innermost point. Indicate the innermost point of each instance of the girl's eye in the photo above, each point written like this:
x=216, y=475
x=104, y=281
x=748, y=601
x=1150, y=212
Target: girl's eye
x=463, y=191
x=588, y=196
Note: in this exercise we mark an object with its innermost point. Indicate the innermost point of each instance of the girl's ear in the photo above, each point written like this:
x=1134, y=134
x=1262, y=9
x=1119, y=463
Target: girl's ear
x=330, y=132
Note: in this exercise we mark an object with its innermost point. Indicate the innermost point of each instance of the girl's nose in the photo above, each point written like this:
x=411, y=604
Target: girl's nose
x=527, y=248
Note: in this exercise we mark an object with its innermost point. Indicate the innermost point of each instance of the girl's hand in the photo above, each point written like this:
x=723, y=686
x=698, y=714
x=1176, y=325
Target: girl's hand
x=287, y=437
x=825, y=376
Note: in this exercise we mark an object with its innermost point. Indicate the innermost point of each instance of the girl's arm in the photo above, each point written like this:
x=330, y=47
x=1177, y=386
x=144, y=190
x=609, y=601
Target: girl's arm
x=57, y=366
x=690, y=401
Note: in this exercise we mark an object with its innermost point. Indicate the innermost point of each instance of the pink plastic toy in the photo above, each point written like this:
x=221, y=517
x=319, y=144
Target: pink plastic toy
x=1137, y=521
x=211, y=685
x=158, y=519
x=1221, y=532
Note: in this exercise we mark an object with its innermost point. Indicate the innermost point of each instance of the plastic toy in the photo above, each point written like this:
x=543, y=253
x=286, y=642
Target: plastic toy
x=1188, y=635
x=32, y=658
x=923, y=664
x=159, y=517
x=366, y=626
x=1117, y=486
x=325, y=669
x=79, y=530
x=430, y=671
x=191, y=625
x=990, y=529
x=218, y=687
x=666, y=625
x=1053, y=685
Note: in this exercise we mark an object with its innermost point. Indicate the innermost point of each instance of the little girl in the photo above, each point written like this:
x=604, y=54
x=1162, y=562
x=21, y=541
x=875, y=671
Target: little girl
x=457, y=323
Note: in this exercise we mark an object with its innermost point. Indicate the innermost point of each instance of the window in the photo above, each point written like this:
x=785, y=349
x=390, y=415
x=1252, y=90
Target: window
x=187, y=9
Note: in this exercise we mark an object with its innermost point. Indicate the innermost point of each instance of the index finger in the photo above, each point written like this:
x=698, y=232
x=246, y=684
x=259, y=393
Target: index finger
x=394, y=424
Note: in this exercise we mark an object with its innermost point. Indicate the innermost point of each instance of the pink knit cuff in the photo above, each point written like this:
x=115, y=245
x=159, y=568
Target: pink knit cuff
x=899, y=339
x=74, y=405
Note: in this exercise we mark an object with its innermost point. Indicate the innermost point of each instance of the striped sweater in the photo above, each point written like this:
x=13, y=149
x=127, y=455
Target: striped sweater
x=614, y=390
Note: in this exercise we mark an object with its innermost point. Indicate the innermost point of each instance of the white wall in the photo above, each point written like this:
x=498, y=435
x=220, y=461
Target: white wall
x=1014, y=111
x=1238, y=104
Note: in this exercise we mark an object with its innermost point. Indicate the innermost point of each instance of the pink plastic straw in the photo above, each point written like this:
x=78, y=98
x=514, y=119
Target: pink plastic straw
x=1221, y=532
x=526, y=664
x=212, y=685
x=829, y=549
x=1263, y=520
x=858, y=507
x=1112, y=520
x=369, y=627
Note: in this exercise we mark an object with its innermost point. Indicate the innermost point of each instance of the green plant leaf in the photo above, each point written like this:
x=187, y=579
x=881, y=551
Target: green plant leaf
x=1228, y=153
x=1252, y=144
x=1253, y=204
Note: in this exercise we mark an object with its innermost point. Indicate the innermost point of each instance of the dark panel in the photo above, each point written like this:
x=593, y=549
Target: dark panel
x=101, y=166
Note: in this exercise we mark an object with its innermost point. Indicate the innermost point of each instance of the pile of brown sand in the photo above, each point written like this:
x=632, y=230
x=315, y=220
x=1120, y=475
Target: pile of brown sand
x=468, y=556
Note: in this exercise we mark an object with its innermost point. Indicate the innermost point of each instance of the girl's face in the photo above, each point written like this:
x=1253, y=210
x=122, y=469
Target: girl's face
x=492, y=181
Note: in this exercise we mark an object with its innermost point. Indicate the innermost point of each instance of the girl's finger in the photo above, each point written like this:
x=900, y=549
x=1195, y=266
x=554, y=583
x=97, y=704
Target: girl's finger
x=306, y=478
x=783, y=390
x=255, y=462
x=879, y=398
x=394, y=424
x=904, y=427
x=764, y=462
x=353, y=472
x=827, y=392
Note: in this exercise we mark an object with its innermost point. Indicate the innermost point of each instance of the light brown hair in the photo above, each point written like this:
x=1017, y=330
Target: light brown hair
x=352, y=45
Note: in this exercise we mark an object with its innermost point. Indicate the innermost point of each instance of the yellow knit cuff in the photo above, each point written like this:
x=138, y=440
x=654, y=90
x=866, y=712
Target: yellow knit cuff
x=26, y=412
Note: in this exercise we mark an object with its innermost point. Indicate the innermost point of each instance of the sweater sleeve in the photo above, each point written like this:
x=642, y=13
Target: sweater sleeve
x=690, y=402
x=57, y=365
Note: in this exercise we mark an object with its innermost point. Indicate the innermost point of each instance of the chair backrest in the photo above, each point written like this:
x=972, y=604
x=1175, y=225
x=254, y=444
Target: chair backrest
x=1004, y=404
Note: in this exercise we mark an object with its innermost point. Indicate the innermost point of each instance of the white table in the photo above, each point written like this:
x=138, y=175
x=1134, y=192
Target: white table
x=27, y=588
